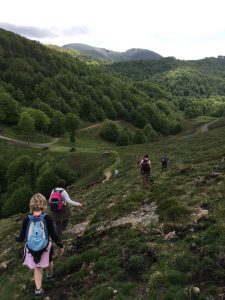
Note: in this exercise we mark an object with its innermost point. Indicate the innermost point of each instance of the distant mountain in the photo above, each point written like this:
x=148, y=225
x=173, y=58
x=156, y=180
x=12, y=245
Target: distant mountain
x=108, y=55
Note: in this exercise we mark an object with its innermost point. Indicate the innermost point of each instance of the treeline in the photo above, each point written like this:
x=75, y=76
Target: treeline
x=57, y=84
x=122, y=136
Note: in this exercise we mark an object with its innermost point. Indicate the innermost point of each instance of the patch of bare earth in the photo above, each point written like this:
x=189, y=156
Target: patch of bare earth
x=145, y=216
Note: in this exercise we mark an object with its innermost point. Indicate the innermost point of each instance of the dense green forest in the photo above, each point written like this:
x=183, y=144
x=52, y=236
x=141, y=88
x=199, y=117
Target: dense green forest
x=55, y=84
x=197, y=87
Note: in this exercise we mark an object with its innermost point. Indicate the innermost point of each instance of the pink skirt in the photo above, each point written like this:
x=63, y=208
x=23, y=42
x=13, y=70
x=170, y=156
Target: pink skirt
x=29, y=260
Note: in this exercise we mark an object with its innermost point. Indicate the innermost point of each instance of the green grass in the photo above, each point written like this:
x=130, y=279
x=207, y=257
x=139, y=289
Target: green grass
x=129, y=262
x=14, y=132
x=218, y=123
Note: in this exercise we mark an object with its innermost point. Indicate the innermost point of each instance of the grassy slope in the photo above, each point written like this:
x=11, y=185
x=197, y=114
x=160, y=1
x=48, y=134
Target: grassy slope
x=137, y=263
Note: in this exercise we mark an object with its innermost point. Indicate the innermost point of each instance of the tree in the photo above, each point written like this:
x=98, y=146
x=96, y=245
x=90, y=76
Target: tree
x=139, y=137
x=46, y=181
x=109, y=131
x=22, y=166
x=9, y=109
x=124, y=138
x=72, y=122
x=17, y=201
x=41, y=120
x=150, y=134
x=58, y=123
x=26, y=124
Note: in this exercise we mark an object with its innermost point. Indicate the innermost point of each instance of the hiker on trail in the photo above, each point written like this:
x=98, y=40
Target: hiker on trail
x=59, y=202
x=116, y=173
x=145, y=165
x=164, y=162
x=37, y=229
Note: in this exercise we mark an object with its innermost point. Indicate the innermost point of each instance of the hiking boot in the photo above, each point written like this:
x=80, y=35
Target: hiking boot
x=39, y=292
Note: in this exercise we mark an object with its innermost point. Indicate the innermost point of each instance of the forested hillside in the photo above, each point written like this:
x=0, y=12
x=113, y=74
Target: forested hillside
x=197, y=87
x=55, y=84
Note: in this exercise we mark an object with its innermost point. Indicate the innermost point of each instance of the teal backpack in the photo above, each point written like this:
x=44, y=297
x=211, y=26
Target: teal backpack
x=37, y=235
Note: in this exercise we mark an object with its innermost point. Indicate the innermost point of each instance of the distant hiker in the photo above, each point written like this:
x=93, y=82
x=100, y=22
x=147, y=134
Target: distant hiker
x=116, y=173
x=145, y=165
x=37, y=229
x=59, y=202
x=164, y=162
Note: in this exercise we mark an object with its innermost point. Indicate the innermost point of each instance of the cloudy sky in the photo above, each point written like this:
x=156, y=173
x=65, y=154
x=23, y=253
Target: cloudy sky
x=186, y=29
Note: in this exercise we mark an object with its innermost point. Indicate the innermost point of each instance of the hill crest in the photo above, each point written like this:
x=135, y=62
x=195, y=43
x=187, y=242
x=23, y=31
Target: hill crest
x=109, y=55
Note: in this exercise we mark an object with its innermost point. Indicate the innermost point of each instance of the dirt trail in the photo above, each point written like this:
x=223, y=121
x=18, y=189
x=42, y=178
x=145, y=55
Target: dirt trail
x=107, y=175
x=202, y=129
x=89, y=127
x=95, y=125
x=205, y=127
x=25, y=143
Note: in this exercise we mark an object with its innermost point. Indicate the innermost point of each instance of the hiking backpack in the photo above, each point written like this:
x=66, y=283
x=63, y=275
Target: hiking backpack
x=37, y=234
x=145, y=165
x=56, y=201
x=164, y=159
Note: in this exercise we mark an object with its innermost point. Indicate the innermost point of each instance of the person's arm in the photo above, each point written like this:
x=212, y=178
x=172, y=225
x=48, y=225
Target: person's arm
x=141, y=162
x=67, y=199
x=51, y=231
x=22, y=235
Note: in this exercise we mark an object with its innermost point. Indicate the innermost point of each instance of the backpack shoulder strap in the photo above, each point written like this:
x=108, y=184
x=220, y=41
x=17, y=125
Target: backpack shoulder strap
x=42, y=216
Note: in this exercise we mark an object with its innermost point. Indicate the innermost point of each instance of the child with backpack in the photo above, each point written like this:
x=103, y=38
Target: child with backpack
x=37, y=229
x=59, y=202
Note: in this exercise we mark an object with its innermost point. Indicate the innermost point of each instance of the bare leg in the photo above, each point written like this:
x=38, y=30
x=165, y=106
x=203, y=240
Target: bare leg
x=50, y=269
x=38, y=277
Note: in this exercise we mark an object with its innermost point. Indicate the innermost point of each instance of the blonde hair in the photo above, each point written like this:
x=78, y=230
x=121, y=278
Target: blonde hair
x=38, y=203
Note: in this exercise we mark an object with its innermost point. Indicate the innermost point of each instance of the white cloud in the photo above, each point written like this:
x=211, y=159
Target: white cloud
x=185, y=29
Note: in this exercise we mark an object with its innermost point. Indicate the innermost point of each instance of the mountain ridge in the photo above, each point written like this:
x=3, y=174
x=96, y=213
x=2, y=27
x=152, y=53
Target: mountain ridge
x=114, y=56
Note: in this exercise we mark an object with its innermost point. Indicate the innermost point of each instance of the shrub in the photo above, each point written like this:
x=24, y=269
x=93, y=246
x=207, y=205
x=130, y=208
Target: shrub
x=139, y=137
x=109, y=131
x=22, y=166
x=170, y=209
x=68, y=265
x=123, y=138
x=91, y=255
x=46, y=182
x=184, y=261
x=101, y=292
x=135, y=264
x=174, y=277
